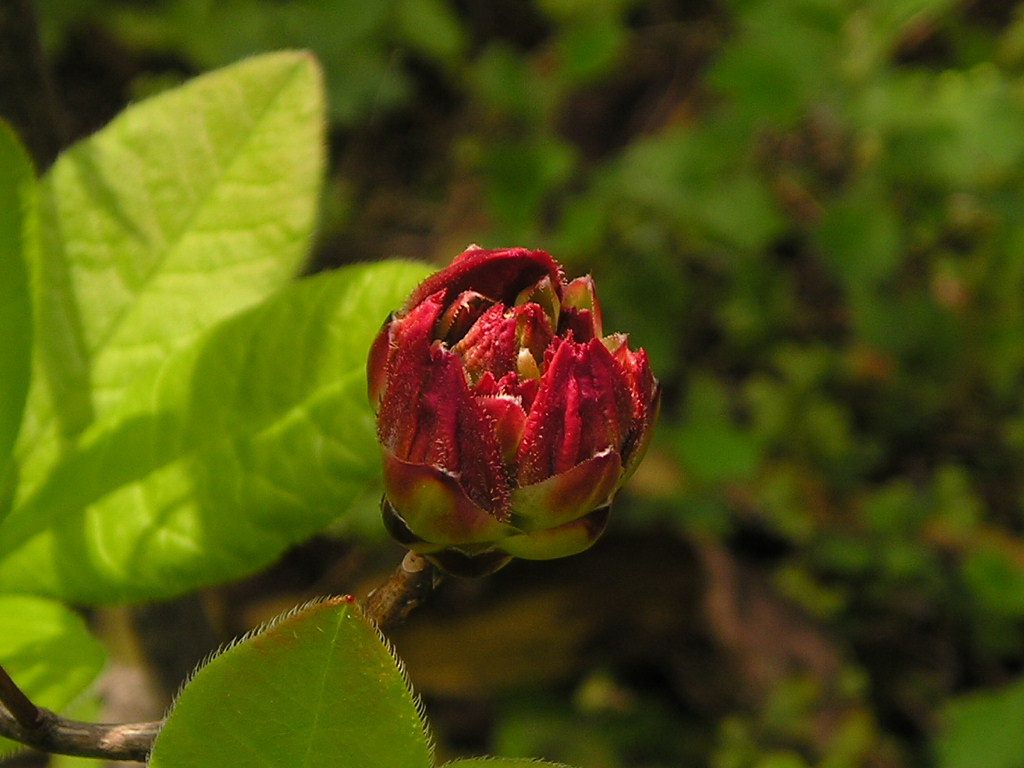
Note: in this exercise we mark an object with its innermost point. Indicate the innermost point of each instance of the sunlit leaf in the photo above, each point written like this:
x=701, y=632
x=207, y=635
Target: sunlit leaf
x=251, y=439
x=187, y=208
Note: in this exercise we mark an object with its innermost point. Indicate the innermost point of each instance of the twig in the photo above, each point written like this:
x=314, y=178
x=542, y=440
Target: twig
x=409, y=585
x=56, y=735
x=21, y=708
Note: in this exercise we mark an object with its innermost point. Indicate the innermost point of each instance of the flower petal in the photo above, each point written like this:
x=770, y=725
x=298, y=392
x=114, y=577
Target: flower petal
x=545, y=294
x=428, y=415
x=646, y=397
x=583, y=408
x=498, y=274
x=581, y=313
x=568, y=495
x=509, y=420
x=636, y=444
x=377, y=364
x=490, y=345
x=434, y=505
x=565, y=540
x=534, y=332
x=460, y=316
x=506, y=419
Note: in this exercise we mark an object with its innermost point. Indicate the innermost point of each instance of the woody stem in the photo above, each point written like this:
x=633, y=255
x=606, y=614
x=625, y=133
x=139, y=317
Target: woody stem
x=409, y=585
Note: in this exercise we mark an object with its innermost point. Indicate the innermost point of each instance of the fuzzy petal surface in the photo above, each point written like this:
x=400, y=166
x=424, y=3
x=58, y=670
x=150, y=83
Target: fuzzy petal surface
x=583, y=408
x=428, y=415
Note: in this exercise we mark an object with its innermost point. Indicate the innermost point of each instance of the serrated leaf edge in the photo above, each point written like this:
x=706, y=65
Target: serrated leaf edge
x=259, y=629
x=266, y=626
x=417, y=700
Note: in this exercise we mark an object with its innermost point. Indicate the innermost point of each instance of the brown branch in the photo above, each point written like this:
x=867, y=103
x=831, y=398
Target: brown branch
x=21, y=708
x=409, y=585
x=59, y=736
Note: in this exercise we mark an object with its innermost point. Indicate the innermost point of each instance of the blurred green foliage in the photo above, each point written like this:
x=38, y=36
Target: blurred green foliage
x=353, y=40
x=811, y=213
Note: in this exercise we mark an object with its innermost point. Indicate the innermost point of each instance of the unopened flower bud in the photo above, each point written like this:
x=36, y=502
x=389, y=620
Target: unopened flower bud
x=507, y=420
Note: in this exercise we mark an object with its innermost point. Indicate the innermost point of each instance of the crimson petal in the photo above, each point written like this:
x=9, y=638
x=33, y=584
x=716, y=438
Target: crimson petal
x=583, y=408
x=428, y=415
x=498, y=274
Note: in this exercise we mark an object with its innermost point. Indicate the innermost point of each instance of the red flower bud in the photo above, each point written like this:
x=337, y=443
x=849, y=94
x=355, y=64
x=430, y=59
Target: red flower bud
x=507, y=421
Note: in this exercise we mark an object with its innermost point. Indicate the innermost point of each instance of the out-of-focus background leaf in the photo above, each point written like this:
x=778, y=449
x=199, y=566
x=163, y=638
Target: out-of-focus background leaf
x=17, y=217
x=810, y=213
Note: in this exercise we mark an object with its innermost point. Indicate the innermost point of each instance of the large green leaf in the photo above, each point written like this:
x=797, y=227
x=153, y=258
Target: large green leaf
x=251, y=439
x=17, y=213
x=318, y=688
x=187, y=208
x=47, y=651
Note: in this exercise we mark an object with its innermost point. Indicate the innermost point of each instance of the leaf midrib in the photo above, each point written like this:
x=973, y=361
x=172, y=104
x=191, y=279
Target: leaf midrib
x=174, y=240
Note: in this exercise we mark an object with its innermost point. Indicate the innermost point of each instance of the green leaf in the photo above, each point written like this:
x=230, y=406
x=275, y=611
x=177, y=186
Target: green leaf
x=786, y=57
x=186, y=209
x=17, y=215
x=502, y=79
x=739, y=210
x=251, y=439
x=589, y=48
x=859, y=235
x=47, y=651
x=698, y=182
x=887, y=24
x=319, y=687
x=430, y=27
x=995, y=580
x=960, y=129
x=982, y=730
x=521, y=175
x=710, y=444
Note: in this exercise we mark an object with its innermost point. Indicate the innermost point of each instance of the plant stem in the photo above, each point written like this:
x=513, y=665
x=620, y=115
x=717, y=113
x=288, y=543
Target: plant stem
x=24, y=722
x=22, y=710
x=409, y=585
